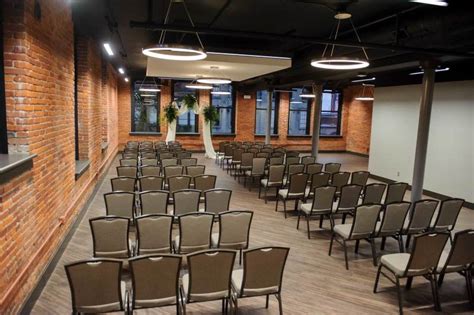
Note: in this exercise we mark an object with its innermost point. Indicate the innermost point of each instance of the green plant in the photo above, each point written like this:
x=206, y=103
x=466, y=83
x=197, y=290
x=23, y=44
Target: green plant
x=189, y=101
x=211, y=115
x=170, y=113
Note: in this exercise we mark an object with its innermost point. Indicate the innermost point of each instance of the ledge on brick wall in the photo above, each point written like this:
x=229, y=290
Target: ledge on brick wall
x=144, y=133
x=299, y=136
x=12, y=165
x=104, y=146
x=191, y=134
x=81, y=167
x=329, y=137
x=224, y=134
x=263, y=136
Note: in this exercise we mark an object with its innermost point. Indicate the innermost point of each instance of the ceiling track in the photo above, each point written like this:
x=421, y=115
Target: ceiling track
x=269, y=36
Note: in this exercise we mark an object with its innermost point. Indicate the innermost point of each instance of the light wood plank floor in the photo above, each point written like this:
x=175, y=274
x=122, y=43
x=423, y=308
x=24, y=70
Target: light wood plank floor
x=314, y=283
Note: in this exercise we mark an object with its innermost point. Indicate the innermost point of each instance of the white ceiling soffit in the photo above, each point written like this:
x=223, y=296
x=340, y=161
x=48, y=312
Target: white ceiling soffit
x=233, y=66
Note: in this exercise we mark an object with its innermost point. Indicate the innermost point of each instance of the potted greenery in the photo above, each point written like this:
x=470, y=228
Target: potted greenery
x=170, y=113
x=211, y=115
x=190, y=101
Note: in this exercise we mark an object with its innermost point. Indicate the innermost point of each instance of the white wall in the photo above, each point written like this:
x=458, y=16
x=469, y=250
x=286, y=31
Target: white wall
x=450, y=158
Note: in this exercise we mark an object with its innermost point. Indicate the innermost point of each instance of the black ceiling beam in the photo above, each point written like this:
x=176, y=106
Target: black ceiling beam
x=219, y=13
x=279, y=37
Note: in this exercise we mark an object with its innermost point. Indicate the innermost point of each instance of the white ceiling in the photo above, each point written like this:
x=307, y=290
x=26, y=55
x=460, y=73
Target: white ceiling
x=233, y=66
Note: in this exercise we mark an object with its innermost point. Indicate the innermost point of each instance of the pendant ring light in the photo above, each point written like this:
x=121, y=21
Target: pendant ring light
x=213, y=78
x=364, y=97
x=340, y=63
x=306, y=93
x=154, y=88
x=172, y=51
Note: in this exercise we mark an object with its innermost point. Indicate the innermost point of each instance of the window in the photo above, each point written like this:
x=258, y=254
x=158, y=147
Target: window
x=331, y=114
x=225, y=107
x=261, y=113
x=299, y=116
x=145, y=109
x=187, y=122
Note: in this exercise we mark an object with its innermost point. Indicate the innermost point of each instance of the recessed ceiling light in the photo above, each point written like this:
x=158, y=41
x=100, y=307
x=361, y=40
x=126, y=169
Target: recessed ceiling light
x=296, y=102
x=220, y=93
x=197, y=86
x=149, y=90
x=436, y=70
x=121, y=70
x=439, y=3
x=147, y=95
x=342, y=16
x=126, y=79
x=363, y=80
x=108, y=49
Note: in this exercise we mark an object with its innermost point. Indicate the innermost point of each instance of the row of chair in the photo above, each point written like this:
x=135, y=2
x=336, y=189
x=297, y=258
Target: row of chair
x=169, y=169
x=96, y=285
x=172, y=183
x=130, y=205
x=111, y=234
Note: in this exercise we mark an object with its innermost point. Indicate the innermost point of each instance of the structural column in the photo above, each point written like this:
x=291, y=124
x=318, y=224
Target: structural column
x=318, y=92
x=269, y=117
x=423, y=131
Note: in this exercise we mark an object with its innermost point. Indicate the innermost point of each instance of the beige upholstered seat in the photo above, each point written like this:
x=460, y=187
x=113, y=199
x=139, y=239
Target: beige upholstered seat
x=194, y=232
x=217, y=200
x=127, y=171
x=154, y=202
x=150, y=170
x=96, y=287
x=295, y=191
x=123, y=184
x=234, y=230
x=262, y=274
x=155, y=281
x=120, y=203
x=275, y=179
x=209, y=276
x=361, y=228
x=185, y=201
x=154, y=234
x=422, y=261
x=110, y=237
x=151, y=183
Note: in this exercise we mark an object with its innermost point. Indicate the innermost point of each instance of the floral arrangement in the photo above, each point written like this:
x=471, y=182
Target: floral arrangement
x=170, y=113
x=211, y=115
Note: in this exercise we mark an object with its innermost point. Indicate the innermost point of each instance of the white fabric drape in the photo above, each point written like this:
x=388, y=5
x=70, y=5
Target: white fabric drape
x=206, y=130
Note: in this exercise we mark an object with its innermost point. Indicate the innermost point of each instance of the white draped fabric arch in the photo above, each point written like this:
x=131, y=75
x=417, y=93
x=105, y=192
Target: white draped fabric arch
x=206, y=130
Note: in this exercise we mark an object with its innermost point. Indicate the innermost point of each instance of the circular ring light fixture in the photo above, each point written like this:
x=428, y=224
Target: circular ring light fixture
x=214, y=80
x=175, y=52
x=220, y=92
x=339, y=63
x=307, y=95
x=198, y=86
x=364, y=98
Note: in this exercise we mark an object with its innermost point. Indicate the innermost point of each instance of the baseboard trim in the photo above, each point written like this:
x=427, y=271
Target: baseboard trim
x=426, y=192
x=48, y=271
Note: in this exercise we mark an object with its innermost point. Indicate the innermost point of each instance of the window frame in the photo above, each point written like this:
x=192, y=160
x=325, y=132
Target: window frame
x=232, y=122
x=133, y=128
x=274, y=132
x=309, y=103
x=196, y=116
x=339, y=114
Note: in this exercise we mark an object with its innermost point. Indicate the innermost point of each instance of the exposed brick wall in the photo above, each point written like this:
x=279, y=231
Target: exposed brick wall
x=38, y=206
x=359, y=121
x=355, y=116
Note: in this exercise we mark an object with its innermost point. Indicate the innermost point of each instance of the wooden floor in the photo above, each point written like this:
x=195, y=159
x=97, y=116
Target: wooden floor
x=313, y=283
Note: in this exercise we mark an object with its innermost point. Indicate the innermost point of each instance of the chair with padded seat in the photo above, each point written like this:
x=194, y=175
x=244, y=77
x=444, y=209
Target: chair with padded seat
x=185, y=201
x=150, y=183
x=217, y=200
x=447, y=215
x=150, y=170
x=421, y=261
x=420, y=218
x=96, y=286
x=332, y=167
x=395, y=193
x=120, y=203
x=123, y=183
x=153, y=202
x=262, y=275
x=127, y=171
x=373, y=193
x=110, y=237
x=154, y=234
x=394, y=216
x=317, y=180
x=296, y=191
x=194, y=232
x=361, y=228
x=274, y=180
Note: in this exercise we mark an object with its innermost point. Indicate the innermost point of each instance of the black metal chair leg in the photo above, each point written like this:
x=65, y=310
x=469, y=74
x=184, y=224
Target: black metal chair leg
x=330, y=244
x=400, y=295
x=382, y=244
x=356, y=248
x=298, y=221
x=276, y=205
x=407, y=245
x=377, y=278
x=434, y=288
x=409, y=283
x=321, y=218
x=374, y=253
x=266, y=302
x=440, y=279
x=265, y=194
x=284, y=206
x=345, y=254
x=280, y=304
x=307, y=226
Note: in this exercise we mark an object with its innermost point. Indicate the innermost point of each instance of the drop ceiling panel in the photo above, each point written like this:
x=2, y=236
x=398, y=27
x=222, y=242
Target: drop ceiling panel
x=233, y=66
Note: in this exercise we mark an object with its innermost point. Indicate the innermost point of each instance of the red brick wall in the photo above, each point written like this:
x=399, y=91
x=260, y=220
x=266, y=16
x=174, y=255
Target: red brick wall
x=354, y=116
x=359, y=120
x=38, y=207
